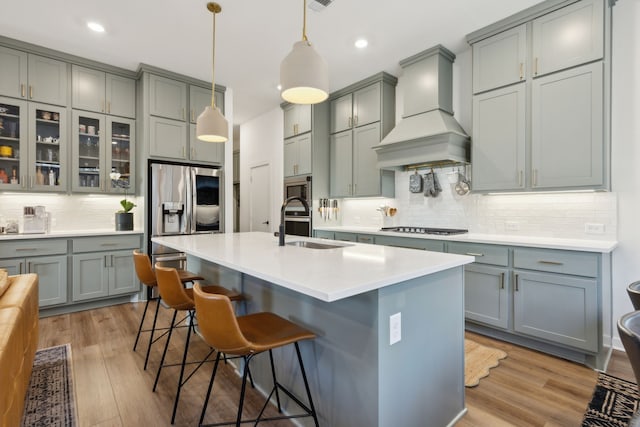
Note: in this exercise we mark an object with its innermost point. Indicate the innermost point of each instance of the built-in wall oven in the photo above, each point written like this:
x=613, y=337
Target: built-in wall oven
x=297, y=219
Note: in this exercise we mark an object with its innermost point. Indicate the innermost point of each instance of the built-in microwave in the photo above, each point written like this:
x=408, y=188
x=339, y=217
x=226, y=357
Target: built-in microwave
x=297, y=219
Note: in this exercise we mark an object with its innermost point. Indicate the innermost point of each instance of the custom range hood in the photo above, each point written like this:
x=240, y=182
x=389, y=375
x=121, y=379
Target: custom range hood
x=427, y=134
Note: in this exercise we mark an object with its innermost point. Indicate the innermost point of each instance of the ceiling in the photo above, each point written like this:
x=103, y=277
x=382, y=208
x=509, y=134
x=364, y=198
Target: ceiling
x=252, y=37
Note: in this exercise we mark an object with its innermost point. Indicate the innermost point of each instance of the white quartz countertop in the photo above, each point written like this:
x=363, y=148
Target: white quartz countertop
x=67, y=234
x=602, y=246
x=326, y=274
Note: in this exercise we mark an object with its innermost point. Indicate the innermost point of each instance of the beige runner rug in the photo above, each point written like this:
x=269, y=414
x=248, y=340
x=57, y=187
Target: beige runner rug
x=478, y=359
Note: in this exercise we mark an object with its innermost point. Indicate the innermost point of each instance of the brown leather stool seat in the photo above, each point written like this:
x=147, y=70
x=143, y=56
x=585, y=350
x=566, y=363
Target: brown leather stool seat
x=247, y=336
x=147, y=277
x=180, y=298
x=629, y=331
x=633, y=290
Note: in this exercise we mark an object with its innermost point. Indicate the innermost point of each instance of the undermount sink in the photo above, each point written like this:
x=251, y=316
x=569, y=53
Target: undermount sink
x=314, y=245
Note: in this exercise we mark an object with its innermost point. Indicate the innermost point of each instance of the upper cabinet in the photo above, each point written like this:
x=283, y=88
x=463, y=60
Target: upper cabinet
x=361, y=115
x=33, y=77
x=568, y=37
x=539, y=114
x=297, y=119
x=500, y=60
x=101, y=92
x=167, y=98
x=172, y=106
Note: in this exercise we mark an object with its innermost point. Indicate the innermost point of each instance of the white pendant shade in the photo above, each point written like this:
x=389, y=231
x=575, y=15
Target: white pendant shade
x=304, y=75
x=211, y=125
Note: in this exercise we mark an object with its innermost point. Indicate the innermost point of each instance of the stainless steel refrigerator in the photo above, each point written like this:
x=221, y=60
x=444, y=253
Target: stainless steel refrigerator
x=183, y=199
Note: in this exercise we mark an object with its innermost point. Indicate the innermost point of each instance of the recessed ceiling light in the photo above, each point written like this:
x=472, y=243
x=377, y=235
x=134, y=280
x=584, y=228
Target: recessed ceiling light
x=95, y=27
x=361, y=43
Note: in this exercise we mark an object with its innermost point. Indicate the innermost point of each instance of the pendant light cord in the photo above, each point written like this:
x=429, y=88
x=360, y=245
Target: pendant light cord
x=304, y=20
x=213, y=65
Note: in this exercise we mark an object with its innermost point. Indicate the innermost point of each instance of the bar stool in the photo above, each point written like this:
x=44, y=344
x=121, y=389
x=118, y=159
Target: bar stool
x=147, y=277
x=180, y=298
x=247, y=336
x=634, y=294
x=629, y=331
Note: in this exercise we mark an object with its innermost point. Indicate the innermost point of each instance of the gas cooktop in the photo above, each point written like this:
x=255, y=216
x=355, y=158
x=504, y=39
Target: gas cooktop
x=425, y=230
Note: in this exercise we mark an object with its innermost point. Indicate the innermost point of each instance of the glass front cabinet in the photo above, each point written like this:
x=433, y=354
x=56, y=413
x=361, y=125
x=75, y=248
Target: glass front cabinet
x=33, y=146
x=102, y=145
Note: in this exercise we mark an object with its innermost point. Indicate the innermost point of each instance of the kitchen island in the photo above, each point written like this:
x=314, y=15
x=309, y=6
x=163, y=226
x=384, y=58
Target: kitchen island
x=347, y=295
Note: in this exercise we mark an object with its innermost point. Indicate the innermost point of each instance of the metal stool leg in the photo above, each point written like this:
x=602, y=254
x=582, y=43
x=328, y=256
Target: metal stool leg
x=306, y=385
x=144, y=313
x=153, y=329
x=244, y=386
x=275, y=381
x=206, y=399
x=184, y=361
x=166, y=346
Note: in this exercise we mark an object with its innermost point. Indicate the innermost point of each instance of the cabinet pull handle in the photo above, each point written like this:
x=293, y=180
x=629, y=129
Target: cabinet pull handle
x=23, y=180
x=350, y=122
x=109, y=107
x=501, y=280
x=192, y=116
x=105, y=260
x=355, y=188
x=520, y=178
x=550, y=262
x=515, y=277
x=474, y=254
x=535, y=67
x=521, y=71
x=20, y=268
x=23, y=92
x=365, y=239
x=30, y=92
x=25, y=249
x=535, y=177
x=108, y=244
x=355, y=120
x=28, y=267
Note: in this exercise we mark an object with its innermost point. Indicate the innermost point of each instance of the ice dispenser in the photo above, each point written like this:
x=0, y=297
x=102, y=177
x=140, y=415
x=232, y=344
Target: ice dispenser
x=172, y=217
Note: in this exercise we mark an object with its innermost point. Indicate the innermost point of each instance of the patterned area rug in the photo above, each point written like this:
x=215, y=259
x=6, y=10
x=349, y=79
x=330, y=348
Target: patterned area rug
x=50, y=399
x=613, y=403
x=478, y=359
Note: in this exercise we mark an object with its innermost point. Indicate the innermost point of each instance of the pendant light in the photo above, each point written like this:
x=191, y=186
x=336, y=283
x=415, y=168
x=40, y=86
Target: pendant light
x=304, y=75
x=211, y=125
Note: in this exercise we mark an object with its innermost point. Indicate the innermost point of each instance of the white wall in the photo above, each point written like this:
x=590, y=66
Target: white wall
x=261, y=143
x=626, y=149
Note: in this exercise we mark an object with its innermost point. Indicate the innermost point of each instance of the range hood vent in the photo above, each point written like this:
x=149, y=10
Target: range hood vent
x=427, y=134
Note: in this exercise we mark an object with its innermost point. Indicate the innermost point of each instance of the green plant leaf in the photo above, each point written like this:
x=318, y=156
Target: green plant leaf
x=126, y=205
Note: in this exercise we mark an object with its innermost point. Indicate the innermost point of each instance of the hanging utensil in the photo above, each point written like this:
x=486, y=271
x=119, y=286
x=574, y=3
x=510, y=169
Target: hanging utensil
x=415, y=182
x=462, y=187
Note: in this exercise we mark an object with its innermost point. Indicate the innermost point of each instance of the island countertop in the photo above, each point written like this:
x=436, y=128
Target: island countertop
x=325, y=274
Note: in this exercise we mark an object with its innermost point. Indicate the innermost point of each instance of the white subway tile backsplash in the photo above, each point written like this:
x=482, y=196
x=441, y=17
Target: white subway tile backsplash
x=561, y=215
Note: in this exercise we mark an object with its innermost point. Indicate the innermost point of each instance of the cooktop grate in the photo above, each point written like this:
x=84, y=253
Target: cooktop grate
x=425, y=230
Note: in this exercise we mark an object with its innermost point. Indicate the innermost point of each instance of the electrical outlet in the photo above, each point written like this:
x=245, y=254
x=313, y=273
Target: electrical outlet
x=594, y=228
x=512, y=225
x=395, y=328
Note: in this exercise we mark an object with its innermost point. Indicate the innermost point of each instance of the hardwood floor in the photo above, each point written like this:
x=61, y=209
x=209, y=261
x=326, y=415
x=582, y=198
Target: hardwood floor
x=112, y=389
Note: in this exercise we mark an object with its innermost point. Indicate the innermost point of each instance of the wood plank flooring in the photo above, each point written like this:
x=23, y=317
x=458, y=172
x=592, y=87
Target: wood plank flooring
x=112, y=389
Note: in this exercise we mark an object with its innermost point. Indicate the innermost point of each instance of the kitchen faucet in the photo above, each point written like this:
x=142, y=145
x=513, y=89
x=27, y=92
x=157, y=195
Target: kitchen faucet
x=284, y=206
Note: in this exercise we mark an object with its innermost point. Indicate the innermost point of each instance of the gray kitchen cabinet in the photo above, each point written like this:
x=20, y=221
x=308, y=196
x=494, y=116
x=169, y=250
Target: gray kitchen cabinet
x=297, y=155
x=104, y=266
x=167, y=98
x=411, y=243
x=366, y=238
x=346, y=237
x=499, y=139
x=297, y=119
x=167, y=138
x=557, y=308
x=199, y=98
x=47, y=258
x=567, y=129
x=100, y=145
x=236, y=167
x=500, y=60
x=33, y=77
x=354, y=168
x=37, y=136
x=210, y=152
x=361, y=115
x=487, y=287
x=323, y=234
x=101, y=92
x=544, y=130
x=568, y=37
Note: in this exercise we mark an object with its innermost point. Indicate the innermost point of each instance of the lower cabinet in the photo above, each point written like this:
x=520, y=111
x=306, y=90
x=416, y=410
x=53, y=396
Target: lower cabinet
x=98, y=272
x=322, y=234
x=486, y=295
x=411, y=243
x=47, y=258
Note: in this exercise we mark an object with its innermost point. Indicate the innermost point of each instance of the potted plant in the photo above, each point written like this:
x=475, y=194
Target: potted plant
x=124, y=217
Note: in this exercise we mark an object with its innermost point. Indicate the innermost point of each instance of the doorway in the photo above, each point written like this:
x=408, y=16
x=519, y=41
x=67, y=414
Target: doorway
x=260, y=198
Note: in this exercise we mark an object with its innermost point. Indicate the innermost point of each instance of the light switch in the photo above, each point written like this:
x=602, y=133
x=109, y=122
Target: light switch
x=395, y=328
